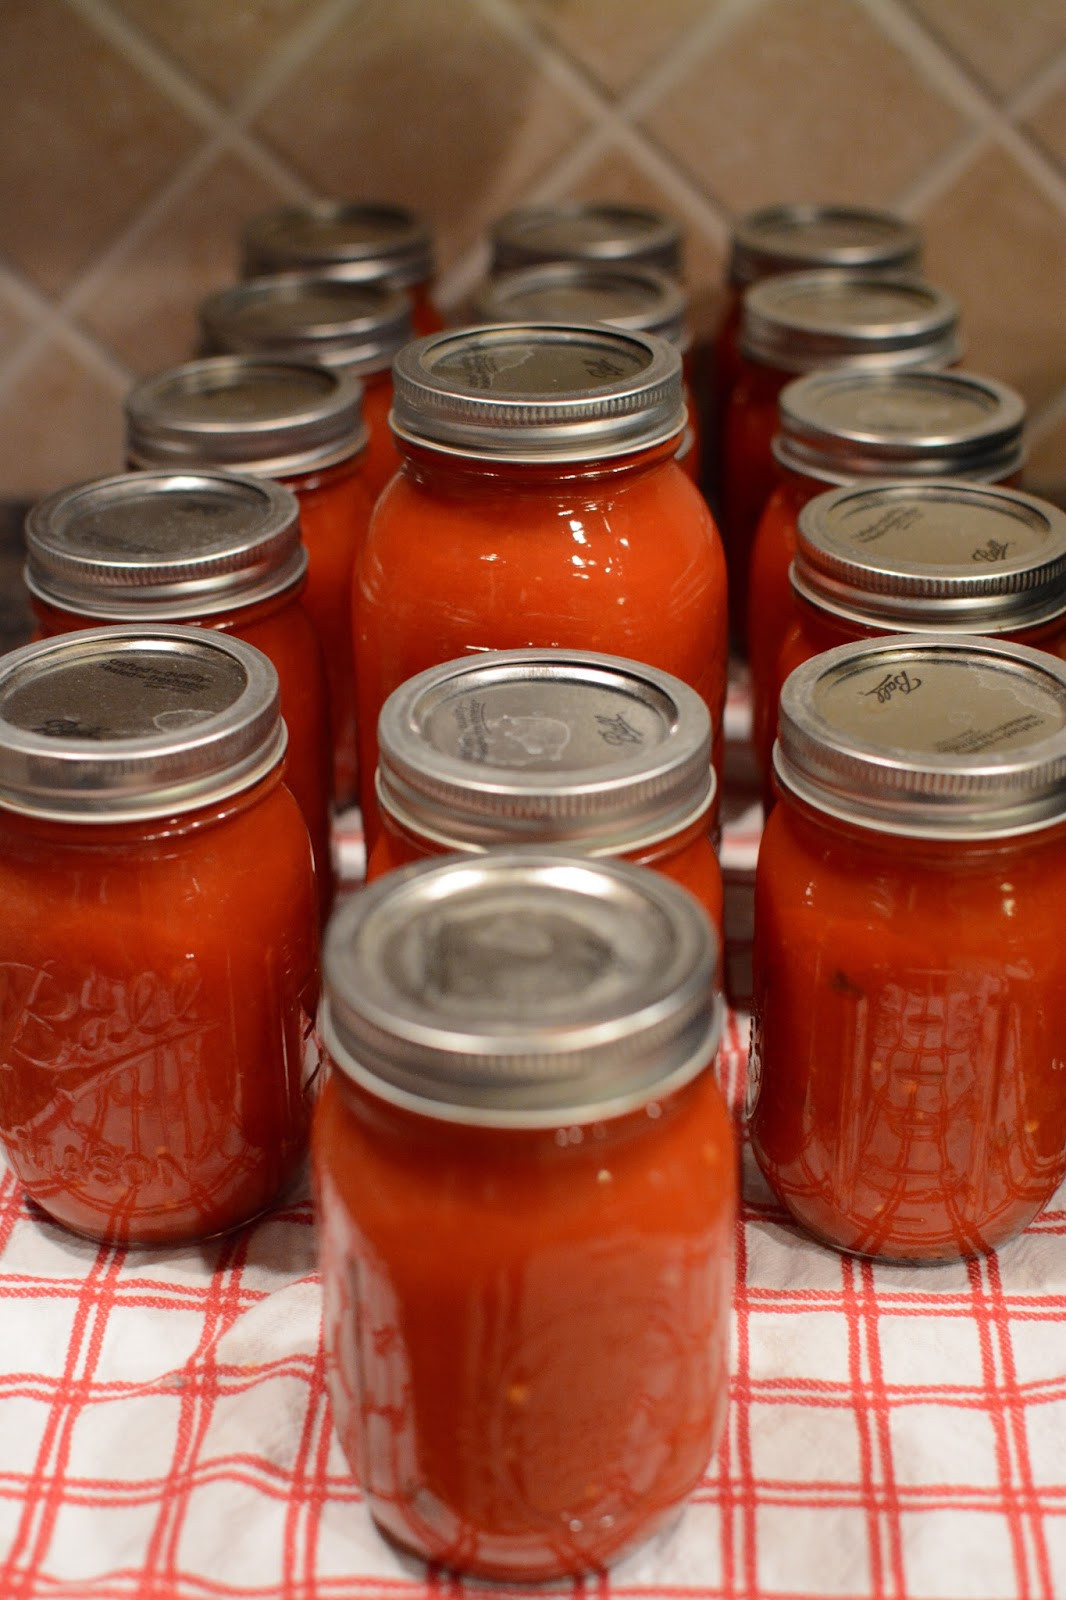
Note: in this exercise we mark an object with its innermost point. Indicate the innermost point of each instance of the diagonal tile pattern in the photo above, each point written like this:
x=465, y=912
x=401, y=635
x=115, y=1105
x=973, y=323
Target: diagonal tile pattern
x=145, y=308
x=136, y=135
x=1001, y=44
x=220, y=46
x=802, y=99
x=85, y=141
x=433, y=106
x=998, y=242
x=614, y=40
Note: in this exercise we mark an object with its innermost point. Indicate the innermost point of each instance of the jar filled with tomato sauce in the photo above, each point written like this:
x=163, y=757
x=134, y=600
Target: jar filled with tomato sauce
x=158, y=934
x=622, y=295
x=355, y=328
x=839, y=427
x=301, y=425
x=800, y=323
x=201, y=548
x=526, y=1186
x=553, y=748
x=600, y=233
x=940, y=557
x=356, y=240
x=909, y=1098
x=540, y=505
x=805, y=238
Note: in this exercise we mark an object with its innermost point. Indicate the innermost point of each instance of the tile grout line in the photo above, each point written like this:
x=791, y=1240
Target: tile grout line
x=611, y=123
x=224, y=131
x=949, y=75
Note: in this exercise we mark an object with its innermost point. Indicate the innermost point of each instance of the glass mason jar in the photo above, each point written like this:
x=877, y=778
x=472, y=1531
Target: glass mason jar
x=595, y=232
x=805, y=238
x=356, y=240
x=908, y=1097
x=622, y=295
x=801, y=323
x=840, y=427
x=553, y=748
x=158, y=934
x=349, y=327
x=301, y=425
x=539, y=505
x=942, y=557
x=205, y=549
x=526, y=1185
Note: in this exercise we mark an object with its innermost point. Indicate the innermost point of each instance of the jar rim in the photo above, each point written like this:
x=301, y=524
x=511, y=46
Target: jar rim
x=178, y=543
x=600, y=998
x=538, y=392
x=121, y=724
x=980, y=755
x=251, y=414
x=558, y=747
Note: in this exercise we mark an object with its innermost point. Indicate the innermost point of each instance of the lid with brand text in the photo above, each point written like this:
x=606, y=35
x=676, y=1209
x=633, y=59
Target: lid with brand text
x=624, y=296
x=937, y=555
x=539, y=746
x=249, y=413
x=123, y=724
x=172, y=544
x=352, y=239
x=586, y=231
x=521, y=989
x=806, y=320
x=538, y=392
x=930, y=737
x=799, y=238
x=837, y=426
x=304, y=316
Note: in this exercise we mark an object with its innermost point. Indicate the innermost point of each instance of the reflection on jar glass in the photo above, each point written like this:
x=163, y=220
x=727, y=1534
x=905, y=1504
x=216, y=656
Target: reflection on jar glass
x=909, y=1092
x=158, y=934
x=526, y=1178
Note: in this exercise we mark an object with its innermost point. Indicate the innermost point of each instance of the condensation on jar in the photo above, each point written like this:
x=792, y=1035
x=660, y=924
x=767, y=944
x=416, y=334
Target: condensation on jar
x=539, y=505
x=622, y=295
x=208, y=549
x=355, y=328
x=840, y=427
x=303, y=426
x=805, y=238
x=552, y=748
x=355, y=240
x=797, y=324
x=526, y=1185
x=908, y=1092
x=942, y=557
x=599, y=233
x=158, y=934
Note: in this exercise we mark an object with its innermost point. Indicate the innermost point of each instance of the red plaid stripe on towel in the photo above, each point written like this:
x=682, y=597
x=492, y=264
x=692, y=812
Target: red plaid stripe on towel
x=165, y=1435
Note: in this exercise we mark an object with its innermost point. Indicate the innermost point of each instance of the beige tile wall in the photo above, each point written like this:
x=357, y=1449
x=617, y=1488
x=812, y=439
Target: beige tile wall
x=137, y=135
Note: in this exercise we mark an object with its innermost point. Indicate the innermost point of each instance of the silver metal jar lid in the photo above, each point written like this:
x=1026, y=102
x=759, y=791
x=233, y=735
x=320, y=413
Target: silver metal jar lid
x=583, y=231
x=806, y=320
x=521, y=989
x=245, y=412
x=851, y=423
x=304, y=316
x=352, y=239
x=798, y=238
x=172, y=544
x=538, y=392
x=929, y=737
x=943, y=555
x=624, y=296
x=125, y=724
x=545, y=747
